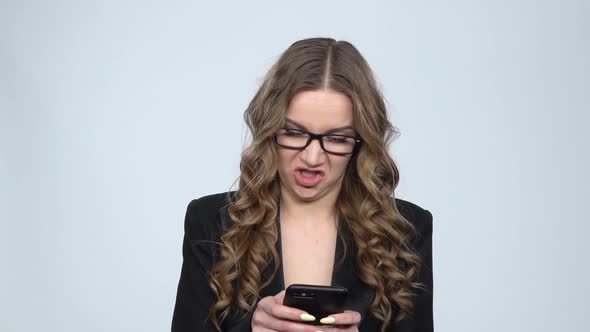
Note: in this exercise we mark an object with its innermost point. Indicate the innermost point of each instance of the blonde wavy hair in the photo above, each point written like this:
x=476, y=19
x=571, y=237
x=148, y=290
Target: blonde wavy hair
x=385, y=257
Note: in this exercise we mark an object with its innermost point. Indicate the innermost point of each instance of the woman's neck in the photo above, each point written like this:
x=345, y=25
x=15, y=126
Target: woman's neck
x=308, y=213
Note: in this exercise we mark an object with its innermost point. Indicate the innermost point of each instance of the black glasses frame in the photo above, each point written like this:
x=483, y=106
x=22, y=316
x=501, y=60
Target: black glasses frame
x=320, y=137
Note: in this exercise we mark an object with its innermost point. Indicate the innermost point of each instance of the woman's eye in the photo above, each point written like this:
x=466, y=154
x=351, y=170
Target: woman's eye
x=338, y=139
x=294, y=133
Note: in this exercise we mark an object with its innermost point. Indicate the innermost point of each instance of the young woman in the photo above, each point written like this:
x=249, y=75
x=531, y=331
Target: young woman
x=315, y=205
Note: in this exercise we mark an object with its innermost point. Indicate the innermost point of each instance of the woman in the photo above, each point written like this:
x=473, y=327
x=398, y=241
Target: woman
x=315, y=205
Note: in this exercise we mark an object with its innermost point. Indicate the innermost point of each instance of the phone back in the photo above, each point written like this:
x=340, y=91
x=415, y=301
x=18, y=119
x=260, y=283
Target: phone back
x=319, y=301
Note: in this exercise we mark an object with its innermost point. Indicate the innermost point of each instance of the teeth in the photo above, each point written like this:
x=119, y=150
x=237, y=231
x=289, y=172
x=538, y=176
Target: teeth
x=308, y=173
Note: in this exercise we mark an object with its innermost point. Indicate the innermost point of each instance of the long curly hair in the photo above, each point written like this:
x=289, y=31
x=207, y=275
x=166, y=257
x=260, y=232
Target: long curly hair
x=385, y=257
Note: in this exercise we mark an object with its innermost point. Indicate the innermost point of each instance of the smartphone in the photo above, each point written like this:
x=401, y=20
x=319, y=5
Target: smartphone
x=319, y=301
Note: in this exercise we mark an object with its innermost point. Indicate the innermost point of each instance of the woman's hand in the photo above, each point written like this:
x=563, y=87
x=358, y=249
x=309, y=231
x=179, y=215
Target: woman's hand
x=348, y=321
x=272, y=316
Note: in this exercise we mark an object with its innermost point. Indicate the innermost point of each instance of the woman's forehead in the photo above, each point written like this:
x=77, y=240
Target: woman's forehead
x=320, y=110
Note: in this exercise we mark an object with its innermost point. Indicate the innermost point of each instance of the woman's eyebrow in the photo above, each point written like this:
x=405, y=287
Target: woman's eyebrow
x=333, y=130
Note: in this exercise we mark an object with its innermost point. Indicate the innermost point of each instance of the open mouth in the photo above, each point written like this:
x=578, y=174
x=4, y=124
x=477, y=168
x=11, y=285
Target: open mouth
x=307, y=177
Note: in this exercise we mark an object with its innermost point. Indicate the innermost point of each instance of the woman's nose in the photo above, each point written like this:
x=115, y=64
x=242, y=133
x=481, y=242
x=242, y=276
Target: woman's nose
x=313, y=154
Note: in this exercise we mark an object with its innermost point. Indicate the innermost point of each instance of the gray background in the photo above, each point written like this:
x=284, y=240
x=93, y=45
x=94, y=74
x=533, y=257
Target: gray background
x=115, y=114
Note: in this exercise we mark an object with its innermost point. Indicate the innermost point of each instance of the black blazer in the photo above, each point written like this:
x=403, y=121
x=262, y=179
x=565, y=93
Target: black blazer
x=207, y=217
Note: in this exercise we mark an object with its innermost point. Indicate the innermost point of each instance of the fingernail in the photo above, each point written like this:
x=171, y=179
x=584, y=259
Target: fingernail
x=307, y=317
x=327, y=320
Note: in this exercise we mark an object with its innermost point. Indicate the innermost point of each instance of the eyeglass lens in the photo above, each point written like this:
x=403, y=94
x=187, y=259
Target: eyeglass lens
x=332, y=143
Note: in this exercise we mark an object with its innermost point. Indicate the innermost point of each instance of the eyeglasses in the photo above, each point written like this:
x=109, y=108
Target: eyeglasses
x=299, y=139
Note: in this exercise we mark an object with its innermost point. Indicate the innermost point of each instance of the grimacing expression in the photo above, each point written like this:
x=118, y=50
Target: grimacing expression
x=316, y=111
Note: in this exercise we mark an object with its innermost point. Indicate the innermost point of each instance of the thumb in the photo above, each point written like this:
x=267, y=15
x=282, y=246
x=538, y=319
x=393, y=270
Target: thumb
x=279, y=297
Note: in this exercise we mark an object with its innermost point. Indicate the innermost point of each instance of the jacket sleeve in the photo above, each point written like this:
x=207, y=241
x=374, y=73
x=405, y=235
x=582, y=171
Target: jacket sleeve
x=194, y=296
x=422, y=319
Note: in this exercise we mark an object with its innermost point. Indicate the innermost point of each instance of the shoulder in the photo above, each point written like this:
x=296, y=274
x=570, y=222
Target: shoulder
x=205, y=215
x=421, y=318
x=420, y=217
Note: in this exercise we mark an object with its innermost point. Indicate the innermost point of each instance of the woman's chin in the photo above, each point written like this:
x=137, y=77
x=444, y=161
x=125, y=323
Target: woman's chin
x=307, y=194
x=304, y=193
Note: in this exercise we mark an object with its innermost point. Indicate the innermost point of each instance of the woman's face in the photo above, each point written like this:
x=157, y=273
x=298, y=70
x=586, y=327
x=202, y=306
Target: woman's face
x=317, y=111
